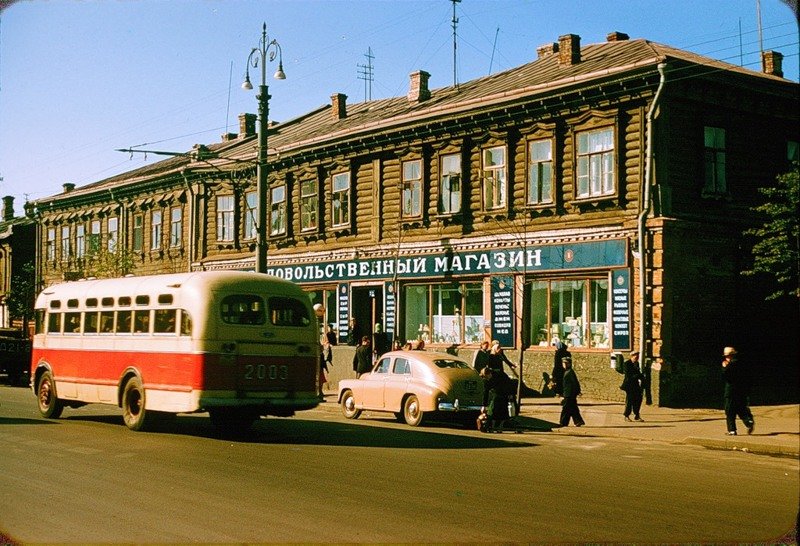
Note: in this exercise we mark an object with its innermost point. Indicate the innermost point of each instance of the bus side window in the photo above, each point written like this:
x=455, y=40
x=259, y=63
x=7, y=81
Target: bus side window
x=165, y=321
x=123, y=322
x=90, y=323
x=72, y=323
x=186, y=323
x=141, y=322
x=106, y=322
x=53, y=323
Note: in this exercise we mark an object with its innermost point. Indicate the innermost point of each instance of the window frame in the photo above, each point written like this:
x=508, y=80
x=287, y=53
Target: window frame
x=453, y=198
x=411, y=186
x=494, y=179
x=137, y=243
x=715, y=176
x=309, y=205
x=602, y=184
x=156, y=228
x=250, y=215
x=537, y=198
x=277, y=210
x=175, y=227
x=340, y=200
x=112, y=239
x=226, y=205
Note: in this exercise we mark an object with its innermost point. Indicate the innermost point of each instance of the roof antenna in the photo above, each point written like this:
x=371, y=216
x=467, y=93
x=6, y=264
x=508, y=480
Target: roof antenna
x=494, y=47
x=366, y=74
x=760, y=35
x=455, y=26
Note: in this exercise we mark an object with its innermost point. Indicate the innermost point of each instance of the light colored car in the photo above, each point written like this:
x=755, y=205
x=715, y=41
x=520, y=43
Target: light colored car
x=413, y=384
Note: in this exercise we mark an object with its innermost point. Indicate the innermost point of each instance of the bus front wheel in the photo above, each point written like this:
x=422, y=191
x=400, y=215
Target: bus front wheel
x=49, y=404
x=133, y=412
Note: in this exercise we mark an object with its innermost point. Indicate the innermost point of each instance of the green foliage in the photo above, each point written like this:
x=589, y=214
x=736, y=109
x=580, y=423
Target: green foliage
x=22, y=296
x=776, y=251
x=106, y=264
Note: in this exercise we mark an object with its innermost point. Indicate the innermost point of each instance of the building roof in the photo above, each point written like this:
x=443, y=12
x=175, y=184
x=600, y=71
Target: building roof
x=544, y=77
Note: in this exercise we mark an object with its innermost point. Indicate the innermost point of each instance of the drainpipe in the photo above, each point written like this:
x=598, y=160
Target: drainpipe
x=191, y=215
x=645, y=211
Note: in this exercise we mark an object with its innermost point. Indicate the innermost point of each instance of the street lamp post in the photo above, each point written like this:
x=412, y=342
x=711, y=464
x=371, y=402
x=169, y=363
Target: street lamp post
x=267, y=50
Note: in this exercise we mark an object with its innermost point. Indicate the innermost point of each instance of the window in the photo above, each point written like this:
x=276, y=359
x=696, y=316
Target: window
x=94, y=237
x=309, y=205
x=175, y=227
x=113, y=231
x=250, y=215
x=494, y=178
x=444, y=313
x=51, y=244
x=792, y=151
x=402, y=366
x=225, y=218
x=243, y=309
x=155, y=230
x=165, y=320
x=383, y=366
x=714, y=154
x=573, y=311
x=277, y=210
x=80, y=241
x=595, y=163
x=450, y=191
x=340, y=200
x=540, y=172
x=412, y=189
x=138, y=233
x=66, y=248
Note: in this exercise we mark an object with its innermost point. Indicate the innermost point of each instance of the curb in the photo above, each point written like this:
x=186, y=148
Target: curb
x=734, y=445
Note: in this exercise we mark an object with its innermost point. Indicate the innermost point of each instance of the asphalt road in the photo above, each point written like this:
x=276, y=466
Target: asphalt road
x=320, y=478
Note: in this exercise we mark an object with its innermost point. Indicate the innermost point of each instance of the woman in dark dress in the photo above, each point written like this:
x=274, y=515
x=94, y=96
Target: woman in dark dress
x=496, y=390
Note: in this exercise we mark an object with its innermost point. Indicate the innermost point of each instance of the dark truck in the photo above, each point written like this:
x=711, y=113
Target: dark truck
x=15, y=355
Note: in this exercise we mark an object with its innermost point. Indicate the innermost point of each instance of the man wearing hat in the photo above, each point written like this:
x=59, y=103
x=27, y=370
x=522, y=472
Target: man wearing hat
x=633, y=387
x=737, y=389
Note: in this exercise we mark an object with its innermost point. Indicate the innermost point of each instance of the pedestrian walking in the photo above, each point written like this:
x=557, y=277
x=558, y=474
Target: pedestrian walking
x=738, y=381
x=633, y=385
x=325, y=359
x=362, y=360
x=572, y=389
x=497, y=388
x=557, y=377
x=481, y=358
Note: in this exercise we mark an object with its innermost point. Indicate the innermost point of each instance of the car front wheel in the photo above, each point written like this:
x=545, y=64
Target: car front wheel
x=412, y=411
x=349, y=405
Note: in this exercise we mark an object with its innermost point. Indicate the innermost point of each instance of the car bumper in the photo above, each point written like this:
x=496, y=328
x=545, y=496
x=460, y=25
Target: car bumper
x=457, y=406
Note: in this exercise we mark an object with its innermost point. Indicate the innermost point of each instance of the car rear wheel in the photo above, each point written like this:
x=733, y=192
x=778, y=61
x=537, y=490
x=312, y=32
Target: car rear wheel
x=49, y=404
x=412, y=411
x=349, y=405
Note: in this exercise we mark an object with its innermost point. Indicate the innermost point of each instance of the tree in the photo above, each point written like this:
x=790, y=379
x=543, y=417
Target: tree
x=21, y=298
x=109, y=263
x=776, y=251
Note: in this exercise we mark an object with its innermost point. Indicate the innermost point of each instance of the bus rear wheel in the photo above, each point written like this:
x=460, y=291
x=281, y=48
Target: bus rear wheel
x=49, y=404
x=134, y=414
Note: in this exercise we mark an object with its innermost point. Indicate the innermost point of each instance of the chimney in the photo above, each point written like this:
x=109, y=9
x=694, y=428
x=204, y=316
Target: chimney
x=227, y=137
x=772, y=63
x=339, y=103
x=247, y=125
x=546, y=50
x=569, y=49
x=617, y=37
x=418, y=91
x=8, y=208
x=68, y=187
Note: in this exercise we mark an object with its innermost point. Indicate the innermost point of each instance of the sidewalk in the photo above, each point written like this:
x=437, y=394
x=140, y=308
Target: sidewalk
x=777, y=430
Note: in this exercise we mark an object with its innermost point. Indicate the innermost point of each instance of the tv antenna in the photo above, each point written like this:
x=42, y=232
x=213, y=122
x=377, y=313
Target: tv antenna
x=455, y=43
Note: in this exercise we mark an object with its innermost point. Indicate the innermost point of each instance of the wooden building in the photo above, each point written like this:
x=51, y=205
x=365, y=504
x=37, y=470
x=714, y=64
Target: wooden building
x=596, y=195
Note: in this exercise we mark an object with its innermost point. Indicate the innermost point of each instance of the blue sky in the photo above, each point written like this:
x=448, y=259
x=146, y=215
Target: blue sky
x=79, y=79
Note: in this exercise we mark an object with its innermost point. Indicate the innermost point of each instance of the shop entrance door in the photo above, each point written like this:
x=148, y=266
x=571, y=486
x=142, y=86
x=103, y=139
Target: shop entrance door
x=366, y=304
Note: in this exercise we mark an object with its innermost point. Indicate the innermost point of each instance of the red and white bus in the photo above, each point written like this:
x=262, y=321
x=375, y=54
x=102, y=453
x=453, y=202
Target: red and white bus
x=238, y=345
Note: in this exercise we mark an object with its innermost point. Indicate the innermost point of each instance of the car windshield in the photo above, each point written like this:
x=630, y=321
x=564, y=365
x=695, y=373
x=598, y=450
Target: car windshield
x=450, y=363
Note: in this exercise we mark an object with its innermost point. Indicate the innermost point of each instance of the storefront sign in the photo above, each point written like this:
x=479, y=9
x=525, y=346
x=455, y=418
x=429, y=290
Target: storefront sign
x=343, y=293
x=620, y=309
x=389, y=308
x=533, y=259
x=503, y=310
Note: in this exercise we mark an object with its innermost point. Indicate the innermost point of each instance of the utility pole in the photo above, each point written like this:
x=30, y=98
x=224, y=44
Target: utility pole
x=366, y=74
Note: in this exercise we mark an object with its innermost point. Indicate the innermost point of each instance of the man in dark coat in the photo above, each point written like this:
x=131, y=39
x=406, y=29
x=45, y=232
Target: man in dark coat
x=362, y=360
x=558, y=369
x=572, y=389
x=632, y=384
x=737, y=390
x=481, y=357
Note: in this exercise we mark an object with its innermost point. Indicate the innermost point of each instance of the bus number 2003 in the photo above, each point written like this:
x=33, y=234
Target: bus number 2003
x=260, y=372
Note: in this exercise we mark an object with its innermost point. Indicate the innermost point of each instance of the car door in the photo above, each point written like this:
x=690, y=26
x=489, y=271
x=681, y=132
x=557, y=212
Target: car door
x=397, y=384
x=374, y=383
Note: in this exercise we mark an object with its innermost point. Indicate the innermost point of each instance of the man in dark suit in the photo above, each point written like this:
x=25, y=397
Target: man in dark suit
x=737, y=390
x=362, y=360
x=572, y=389
x=632, y=384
